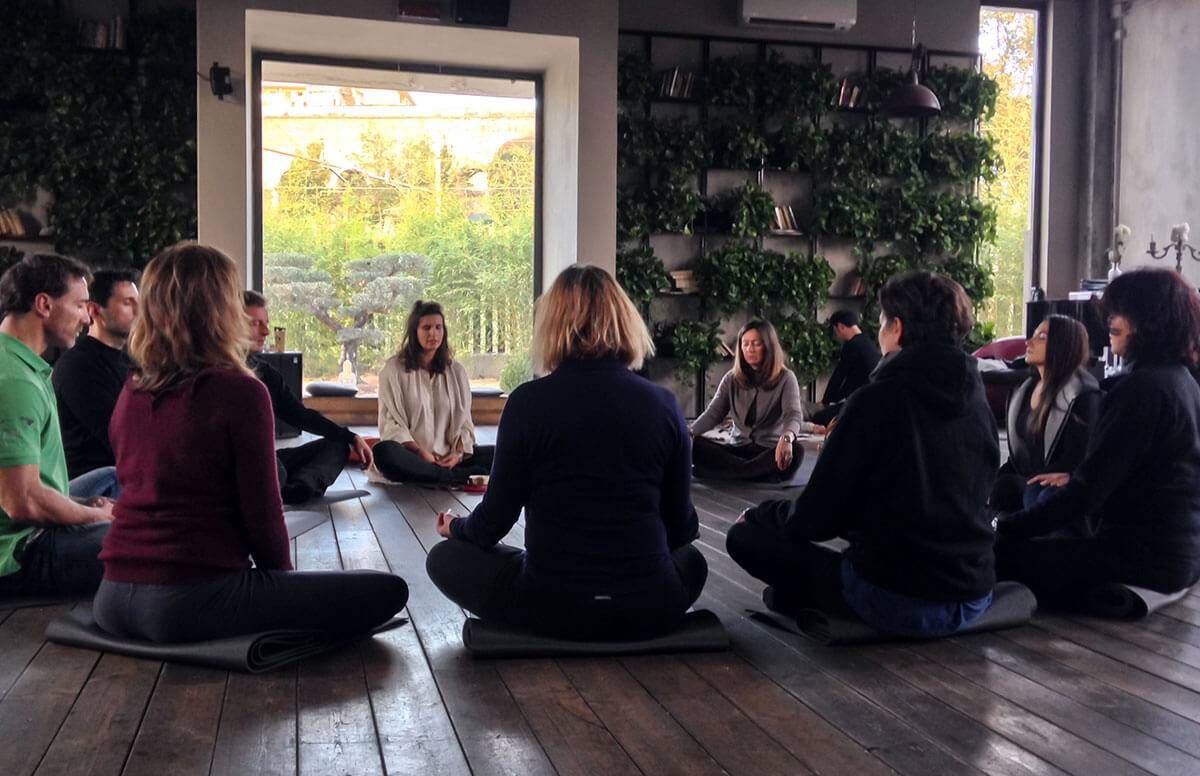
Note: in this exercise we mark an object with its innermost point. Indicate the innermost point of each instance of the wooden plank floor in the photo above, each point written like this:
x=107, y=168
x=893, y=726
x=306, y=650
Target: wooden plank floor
x=1064, y=695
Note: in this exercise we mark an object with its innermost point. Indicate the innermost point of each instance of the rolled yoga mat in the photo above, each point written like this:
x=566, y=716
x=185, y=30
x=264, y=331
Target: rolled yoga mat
x=1013, y=604
x=1126, y=602
x=701, y=631
x=252, y=653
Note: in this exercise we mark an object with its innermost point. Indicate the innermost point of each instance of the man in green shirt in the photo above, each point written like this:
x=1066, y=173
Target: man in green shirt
x=48, y=541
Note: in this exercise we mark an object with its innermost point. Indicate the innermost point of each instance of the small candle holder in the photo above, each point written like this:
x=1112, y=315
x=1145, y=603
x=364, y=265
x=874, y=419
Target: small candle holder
x=1179, y=236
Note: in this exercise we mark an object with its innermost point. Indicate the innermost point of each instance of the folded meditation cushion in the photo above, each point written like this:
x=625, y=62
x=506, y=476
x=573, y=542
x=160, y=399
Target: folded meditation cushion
x=321, y=388
x=700, y=631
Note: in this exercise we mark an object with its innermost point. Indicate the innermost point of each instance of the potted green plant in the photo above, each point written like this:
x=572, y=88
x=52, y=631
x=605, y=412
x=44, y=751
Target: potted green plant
x=635, y=77
x=737, y=143
x=642, y=276
x=633, y=214
x=966, y=94
x=731, y=82
x=848, y=211
x=810, y=346
x=675, y=206
x=961, y=157
x=794, y=90
x=745, y=211
x=695, y=344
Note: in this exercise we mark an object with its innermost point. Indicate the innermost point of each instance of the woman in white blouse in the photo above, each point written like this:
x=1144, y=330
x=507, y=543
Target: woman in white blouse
x=425, y=429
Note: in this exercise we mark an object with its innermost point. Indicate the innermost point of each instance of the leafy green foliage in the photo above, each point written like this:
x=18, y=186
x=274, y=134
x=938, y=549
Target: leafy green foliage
x=732, y=83
x=635, y=77
x=982, y=332
x=695, y=344
x=964, y=93
x=849, y=211
x=739, y=276
x=642, y=275
x=737, y=143
x=745, y=211
x=799, y=147
x=517, y=369
x=810, y=346
x=633, y=214
x=960, y=156
x=794, y=90
x=112, y=138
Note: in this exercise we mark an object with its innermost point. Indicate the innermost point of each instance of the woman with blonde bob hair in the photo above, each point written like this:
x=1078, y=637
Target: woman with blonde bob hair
x=763, y=397
x=599, y=459
x=194, y=439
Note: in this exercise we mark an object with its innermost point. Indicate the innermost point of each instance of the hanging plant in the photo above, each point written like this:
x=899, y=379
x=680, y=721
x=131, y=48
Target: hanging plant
x=965, y=93
x=960, y=156
x=878, y=149
x=642, y=275
x=798, y=148
x=968, y=223
x=731, y=82
x=746, y=211
x=633, y=214
x=739, y=276
x=637, y=140
x=851, y=212
x=675, y=205
x=679, y=148
x=976, y=278
x=695, y=344
x=810, y=346
x=635, y=78
x=737, y=143
x=875, y=270
x=878, y=84
x=794, y=90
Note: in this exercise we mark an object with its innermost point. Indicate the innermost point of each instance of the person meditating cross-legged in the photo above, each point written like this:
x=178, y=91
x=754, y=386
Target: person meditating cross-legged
x=194, y=437
x=599, y=459
x=904, y=476
x=1049, y=415
x=1137, y=490
x=425, y=423
x=763, y=397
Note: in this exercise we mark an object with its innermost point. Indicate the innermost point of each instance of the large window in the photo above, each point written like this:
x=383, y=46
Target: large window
x=1008, y=42
x=381, y=187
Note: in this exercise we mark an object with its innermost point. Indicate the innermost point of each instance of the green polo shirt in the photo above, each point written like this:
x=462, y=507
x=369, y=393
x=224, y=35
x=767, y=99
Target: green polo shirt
x=29, y=432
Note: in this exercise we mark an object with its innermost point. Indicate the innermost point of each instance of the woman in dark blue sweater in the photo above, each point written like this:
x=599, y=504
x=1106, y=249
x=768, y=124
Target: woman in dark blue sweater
x=1138, y=486
x=599, y=458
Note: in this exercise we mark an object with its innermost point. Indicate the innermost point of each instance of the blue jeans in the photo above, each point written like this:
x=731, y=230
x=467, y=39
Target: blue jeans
x=97, y=482
x=58, y=560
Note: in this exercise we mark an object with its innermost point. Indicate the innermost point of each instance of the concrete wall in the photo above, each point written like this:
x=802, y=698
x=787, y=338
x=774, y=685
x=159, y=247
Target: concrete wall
x=1160, y=127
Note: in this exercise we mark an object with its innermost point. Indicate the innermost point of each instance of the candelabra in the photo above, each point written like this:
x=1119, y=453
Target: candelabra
x=1179, y=236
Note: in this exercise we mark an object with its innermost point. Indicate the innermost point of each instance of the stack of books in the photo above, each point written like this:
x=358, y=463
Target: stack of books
x=784, y=220
x=849, y=94
x=109, y=34
x=676, y=83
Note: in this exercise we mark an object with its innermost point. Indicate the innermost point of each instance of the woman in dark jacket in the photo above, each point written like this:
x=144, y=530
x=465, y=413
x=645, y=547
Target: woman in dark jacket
x=599, y=458
x=1049, y=415
x=905, y=477
x=1138, y=487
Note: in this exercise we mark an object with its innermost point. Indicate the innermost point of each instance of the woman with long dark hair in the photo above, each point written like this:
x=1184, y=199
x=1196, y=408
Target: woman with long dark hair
x=194, y=439
x=763, y=398
x=1138, y=486
x=425, y=423
x=598, y=458
x=1049, y=415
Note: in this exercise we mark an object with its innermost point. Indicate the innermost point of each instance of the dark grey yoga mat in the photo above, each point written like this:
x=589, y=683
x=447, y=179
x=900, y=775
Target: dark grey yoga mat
x=1013, y=604
x=701, y=631
x=1126, y=602
x=253, y=653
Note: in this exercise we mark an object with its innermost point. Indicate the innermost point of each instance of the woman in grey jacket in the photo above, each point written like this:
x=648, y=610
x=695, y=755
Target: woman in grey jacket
x=763, y=397
x=1050, y=415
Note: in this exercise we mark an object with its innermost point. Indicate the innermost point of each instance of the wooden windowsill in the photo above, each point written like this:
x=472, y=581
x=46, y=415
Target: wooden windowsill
x=364, y=410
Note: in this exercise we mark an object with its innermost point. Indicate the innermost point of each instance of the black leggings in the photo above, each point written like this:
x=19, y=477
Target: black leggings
x=341, y=603
x=399, y=464
x=715, y=461
x=1061, y=571
x=307, y=471
x=489, y=583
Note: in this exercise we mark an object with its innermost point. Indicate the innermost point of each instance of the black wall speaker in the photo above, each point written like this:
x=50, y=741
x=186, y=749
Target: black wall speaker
x=291, y=366
x=487, y=13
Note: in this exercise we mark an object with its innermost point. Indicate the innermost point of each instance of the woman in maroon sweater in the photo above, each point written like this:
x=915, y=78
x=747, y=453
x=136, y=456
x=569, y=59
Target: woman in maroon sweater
x=193, y=435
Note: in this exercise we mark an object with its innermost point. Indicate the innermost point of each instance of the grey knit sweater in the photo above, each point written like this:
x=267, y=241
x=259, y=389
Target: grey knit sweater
x=777, y=410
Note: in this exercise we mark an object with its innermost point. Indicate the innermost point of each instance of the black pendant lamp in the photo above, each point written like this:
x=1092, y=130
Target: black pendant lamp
x=912, y=100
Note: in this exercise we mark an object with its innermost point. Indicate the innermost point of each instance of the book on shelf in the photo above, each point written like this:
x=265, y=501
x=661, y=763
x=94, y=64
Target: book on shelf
x=676, y=83
x=785, y=219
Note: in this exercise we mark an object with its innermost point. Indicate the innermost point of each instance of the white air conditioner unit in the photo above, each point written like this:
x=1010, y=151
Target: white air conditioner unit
x=799, y=14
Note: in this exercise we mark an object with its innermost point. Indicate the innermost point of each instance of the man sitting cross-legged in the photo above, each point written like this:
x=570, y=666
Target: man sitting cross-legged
x=305, y=472
x=905, y=477
x=49, y=542
x=89, y=377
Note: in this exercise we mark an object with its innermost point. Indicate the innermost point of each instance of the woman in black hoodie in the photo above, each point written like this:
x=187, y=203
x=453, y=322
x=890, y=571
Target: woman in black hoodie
x=1138, y=487
x=905, y=477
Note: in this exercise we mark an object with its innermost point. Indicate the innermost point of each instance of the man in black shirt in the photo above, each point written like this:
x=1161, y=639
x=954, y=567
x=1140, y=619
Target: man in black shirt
x=88, y=378
x=305, y=472
x=858, y=359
